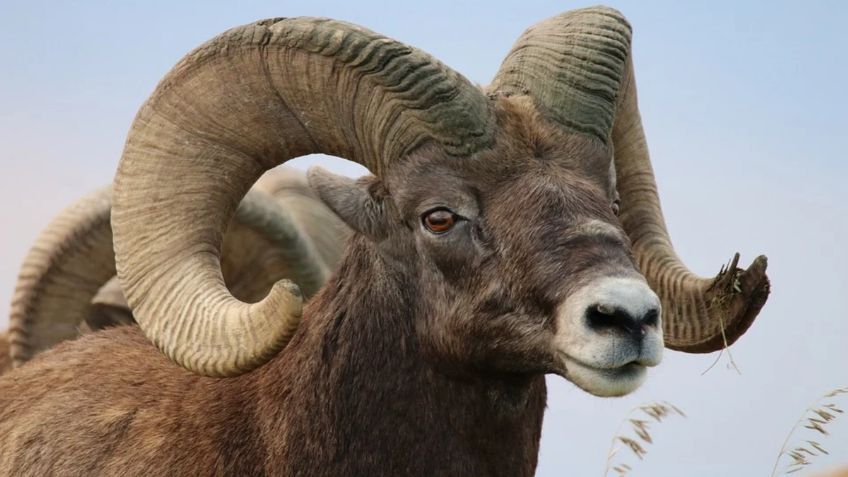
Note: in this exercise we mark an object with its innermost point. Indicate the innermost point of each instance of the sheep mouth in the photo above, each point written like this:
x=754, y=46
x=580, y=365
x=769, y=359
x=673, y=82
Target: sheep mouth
x=604, y=381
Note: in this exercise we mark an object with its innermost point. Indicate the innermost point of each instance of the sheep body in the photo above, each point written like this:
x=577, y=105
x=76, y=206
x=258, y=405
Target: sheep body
x=348, y=396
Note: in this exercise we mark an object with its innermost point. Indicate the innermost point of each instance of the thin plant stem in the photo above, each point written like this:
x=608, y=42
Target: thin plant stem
x=805, y=417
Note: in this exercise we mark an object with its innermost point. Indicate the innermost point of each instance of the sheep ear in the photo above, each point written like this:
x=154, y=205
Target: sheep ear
x=360, y=203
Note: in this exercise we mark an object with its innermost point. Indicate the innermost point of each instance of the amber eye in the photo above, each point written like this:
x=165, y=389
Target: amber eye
x=439, y=221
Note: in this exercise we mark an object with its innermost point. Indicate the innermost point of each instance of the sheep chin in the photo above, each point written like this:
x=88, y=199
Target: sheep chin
x=605, y=382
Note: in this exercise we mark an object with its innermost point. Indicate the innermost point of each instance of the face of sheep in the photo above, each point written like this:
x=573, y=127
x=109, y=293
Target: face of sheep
x=520, y=263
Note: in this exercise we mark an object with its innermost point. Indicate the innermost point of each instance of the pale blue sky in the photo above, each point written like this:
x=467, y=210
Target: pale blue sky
x=745, y=112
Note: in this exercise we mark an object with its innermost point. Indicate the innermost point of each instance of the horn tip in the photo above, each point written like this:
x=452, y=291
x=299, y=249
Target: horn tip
x=747, y=291
x=734, y=299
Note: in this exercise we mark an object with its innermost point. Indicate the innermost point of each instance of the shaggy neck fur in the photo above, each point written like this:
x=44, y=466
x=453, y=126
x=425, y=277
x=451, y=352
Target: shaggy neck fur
x=352, y=394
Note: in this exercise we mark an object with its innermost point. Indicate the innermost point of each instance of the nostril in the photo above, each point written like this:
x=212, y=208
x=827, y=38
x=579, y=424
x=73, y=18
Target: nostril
x=603, y=317
x=652, y=318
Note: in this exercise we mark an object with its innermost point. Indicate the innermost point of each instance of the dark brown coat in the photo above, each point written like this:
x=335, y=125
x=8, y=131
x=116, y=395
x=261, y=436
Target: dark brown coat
x=349, y=396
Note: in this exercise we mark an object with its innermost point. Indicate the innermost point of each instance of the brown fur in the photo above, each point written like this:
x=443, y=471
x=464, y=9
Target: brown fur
x=841, y=471
x=421, y=356
x=5, y=356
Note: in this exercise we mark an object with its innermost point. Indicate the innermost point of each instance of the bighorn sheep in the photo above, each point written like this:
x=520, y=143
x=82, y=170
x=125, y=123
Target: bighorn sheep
x=71, y=257
x=486, y=253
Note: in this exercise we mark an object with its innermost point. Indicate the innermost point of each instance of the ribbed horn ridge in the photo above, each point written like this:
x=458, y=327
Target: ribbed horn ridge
x=69, y=261
x=325, y=229
x=264, y=243
x=700, y=315
x=68, y=277
x=572, y=66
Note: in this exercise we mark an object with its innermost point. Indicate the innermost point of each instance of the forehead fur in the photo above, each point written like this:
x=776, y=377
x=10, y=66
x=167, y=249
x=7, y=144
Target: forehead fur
x=524, y=140
x=524, y=130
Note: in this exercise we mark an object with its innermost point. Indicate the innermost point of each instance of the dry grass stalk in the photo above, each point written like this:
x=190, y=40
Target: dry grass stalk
x=639, y=422
x=737, y=287
x=732, y=364
x=815, y=419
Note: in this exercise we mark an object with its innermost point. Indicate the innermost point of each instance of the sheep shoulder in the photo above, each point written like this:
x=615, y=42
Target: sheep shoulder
x=86, y=417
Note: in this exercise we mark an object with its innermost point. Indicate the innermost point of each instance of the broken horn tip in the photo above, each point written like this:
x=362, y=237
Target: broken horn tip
x=758, y=266
x=734, y=261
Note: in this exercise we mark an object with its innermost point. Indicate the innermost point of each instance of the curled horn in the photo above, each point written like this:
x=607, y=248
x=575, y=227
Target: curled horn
x=578, y=68
x=244, y=102
x=68, y=276
x=292, y=192
x=109, y=307
x=66, y=266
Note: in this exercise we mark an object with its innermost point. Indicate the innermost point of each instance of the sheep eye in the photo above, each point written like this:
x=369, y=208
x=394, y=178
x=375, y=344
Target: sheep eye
x=439, y=221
